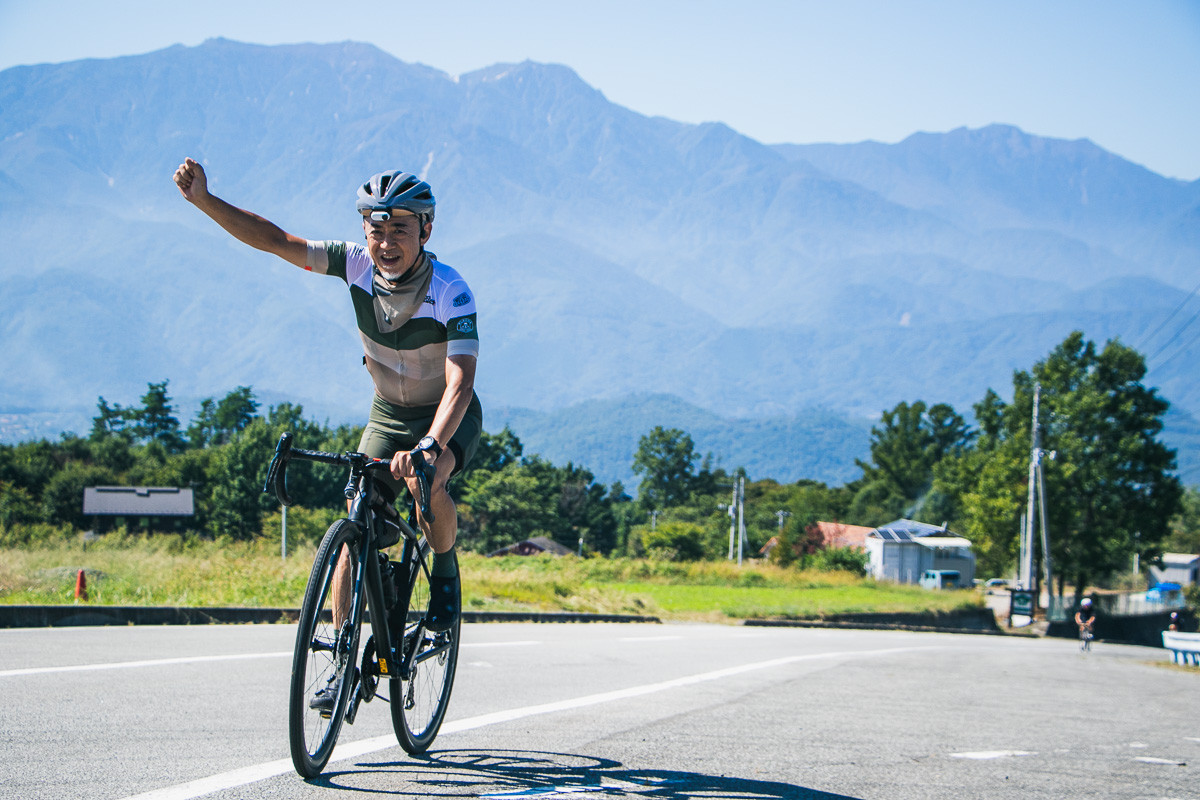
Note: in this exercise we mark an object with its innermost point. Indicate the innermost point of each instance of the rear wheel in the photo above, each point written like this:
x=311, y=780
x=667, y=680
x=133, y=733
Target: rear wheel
x=326, y=655
x=420, y=698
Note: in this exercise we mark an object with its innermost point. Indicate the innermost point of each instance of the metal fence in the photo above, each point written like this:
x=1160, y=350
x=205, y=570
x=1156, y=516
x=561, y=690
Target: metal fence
x=1120, y=604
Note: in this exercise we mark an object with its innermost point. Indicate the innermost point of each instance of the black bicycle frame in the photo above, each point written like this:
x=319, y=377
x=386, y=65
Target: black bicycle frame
x=361, y=490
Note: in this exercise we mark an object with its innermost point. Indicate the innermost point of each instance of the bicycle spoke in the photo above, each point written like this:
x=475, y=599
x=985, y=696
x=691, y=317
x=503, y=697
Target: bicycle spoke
x=428, y=670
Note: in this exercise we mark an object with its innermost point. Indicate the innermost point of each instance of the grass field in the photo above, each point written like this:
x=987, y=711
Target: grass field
x=166, y=570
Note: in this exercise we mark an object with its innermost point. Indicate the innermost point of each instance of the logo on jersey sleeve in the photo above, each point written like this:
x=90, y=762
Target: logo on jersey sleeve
x=466, y=325
x=462, y=300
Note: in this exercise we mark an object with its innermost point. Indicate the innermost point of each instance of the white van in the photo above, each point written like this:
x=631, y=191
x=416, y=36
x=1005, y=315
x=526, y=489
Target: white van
x=940, y=579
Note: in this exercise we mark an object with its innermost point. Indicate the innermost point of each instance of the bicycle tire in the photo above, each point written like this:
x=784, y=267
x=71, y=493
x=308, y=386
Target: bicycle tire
x=419, y=701
x=323, y=653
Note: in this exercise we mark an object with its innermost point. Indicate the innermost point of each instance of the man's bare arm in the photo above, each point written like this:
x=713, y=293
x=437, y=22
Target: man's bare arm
x=247, y=227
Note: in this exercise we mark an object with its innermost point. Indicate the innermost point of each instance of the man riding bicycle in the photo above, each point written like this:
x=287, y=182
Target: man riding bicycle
x=1085, y=617
x=417, y=320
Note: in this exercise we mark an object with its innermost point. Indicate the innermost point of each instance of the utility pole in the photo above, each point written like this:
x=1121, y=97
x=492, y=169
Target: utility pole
x=737, y=519
x=733, y=509
x=741, y=517
x=1037, y=502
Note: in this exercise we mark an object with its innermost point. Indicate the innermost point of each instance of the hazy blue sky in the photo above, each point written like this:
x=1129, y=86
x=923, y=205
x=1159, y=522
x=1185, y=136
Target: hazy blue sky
x=1124, y=74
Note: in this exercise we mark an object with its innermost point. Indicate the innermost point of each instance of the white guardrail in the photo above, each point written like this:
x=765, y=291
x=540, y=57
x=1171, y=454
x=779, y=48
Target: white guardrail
x=1184, y=647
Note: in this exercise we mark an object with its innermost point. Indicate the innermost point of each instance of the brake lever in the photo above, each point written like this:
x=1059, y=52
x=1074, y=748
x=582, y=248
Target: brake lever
x=425, y=473
x=277, y=472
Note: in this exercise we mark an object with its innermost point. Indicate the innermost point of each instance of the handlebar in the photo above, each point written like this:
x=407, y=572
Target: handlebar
x=357, y=462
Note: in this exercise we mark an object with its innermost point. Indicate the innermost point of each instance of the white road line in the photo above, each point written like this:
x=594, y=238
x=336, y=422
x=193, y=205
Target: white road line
x=343, y=752
x=987, y=755
x=12, y=673
x=161, y=662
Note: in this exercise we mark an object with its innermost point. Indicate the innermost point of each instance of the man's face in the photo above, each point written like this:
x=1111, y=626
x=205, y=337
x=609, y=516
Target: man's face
x=395, y=244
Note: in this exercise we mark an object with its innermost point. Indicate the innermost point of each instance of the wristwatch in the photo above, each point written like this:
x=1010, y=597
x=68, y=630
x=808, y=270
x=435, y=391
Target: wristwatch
x=429, y=444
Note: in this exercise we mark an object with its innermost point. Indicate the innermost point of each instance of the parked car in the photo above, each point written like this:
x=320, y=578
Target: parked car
x=1163, y=592
x=941, y=579
x=996, y=585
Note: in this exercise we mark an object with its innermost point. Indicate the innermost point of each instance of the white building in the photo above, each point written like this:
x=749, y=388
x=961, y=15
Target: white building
x=903, y=550
x=1181, y=568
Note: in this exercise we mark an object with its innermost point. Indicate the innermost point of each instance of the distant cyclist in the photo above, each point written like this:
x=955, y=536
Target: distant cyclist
x=417, y=320
x=1085, y=619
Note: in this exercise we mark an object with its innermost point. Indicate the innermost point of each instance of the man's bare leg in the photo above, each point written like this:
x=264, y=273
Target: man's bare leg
x=341, y=587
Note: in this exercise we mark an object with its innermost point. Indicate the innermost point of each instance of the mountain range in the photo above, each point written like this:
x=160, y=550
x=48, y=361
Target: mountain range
x=784, y=294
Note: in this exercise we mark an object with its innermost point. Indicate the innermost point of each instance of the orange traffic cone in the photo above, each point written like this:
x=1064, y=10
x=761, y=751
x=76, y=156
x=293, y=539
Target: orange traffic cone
x=81, y=586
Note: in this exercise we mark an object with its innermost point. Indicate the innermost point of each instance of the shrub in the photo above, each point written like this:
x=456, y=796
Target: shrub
x=674, y=541
x=845, y=559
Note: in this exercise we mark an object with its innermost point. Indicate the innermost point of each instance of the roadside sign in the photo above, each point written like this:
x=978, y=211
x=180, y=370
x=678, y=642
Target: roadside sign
x=1020, y=603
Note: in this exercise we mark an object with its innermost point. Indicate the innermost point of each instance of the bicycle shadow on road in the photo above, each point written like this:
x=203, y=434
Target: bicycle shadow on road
x=522, y=773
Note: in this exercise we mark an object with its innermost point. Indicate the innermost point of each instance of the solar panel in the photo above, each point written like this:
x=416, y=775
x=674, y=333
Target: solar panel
x=889, y=535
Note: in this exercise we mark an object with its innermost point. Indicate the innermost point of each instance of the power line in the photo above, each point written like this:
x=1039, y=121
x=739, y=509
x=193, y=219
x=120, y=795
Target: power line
x=1147, y=340
x=1170, y=341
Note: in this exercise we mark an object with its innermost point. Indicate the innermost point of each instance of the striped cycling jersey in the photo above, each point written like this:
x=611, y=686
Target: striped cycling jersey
x=407, y=363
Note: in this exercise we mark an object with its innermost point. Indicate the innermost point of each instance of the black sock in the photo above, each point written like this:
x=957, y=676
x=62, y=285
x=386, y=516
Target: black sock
x=444, y=565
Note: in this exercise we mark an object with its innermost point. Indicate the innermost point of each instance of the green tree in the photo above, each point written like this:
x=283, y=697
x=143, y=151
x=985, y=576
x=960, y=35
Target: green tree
x=111, y=421
x=905, y=448
x=505, y=506
x=236, y=474
x=17, y=507
x=62, y=502
x=673, y=540
x=665, y=459
x=218, y=422
x=494, y=452
x=1185, y=526
x=155, y=421
x=1109, y=486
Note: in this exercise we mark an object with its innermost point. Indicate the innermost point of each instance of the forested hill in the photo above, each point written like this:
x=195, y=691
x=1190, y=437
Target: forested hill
x=614, y=255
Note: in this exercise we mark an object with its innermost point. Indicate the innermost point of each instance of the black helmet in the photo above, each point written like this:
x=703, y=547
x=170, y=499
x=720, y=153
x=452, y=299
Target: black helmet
x=393, y=190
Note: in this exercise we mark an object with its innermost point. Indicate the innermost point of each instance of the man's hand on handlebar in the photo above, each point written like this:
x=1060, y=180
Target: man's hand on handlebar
x=404, y=464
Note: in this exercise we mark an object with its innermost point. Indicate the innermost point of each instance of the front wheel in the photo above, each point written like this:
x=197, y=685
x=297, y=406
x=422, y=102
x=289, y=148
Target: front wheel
x=420, y=698
x=326, y=655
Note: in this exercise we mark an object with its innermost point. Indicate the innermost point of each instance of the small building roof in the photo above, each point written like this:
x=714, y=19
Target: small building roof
x=839, y=534
x=1180, y=559
x=529, y=547
x=914, y=528
x=907, y=530
x=138, y=501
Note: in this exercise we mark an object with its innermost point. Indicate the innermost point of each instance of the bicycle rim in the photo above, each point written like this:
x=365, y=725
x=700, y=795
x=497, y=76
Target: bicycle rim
x=419, y=702
x=325, y=654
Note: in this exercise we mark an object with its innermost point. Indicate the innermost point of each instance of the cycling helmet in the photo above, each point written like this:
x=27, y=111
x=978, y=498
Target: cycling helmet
x=395, y=190
x=1087, y=601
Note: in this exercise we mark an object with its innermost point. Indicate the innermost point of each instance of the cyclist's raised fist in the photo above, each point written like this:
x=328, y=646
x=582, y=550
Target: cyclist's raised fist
x=191, y=180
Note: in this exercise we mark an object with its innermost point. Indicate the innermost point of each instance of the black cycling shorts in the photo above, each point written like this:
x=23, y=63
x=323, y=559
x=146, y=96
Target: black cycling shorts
x=392, y=429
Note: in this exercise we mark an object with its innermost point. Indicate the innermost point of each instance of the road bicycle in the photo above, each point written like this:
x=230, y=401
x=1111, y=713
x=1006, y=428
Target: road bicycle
x=391, y=596
x=1085, y=638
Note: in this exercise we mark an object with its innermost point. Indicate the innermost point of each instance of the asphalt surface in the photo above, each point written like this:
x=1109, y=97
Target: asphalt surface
x=666, y=711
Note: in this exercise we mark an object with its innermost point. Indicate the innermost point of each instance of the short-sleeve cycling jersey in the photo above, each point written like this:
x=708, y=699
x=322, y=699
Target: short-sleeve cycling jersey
x=407, y=363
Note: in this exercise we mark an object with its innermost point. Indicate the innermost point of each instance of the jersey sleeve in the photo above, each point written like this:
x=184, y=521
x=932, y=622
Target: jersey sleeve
x=462, y=332
x=344, y=260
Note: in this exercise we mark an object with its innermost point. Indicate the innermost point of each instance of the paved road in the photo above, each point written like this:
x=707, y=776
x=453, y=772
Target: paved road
x=665, y=711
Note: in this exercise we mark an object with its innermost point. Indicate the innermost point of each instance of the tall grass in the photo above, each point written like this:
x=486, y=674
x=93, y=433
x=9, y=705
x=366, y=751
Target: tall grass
x=174, y=570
